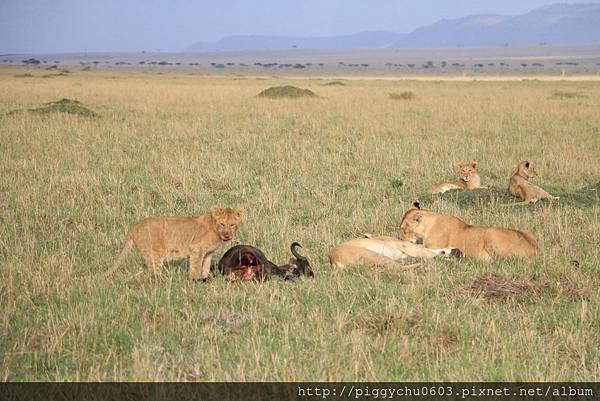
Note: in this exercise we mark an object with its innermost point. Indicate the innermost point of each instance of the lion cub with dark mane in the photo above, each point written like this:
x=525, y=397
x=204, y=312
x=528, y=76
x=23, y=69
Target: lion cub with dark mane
x=468, y=179
x=159, y=239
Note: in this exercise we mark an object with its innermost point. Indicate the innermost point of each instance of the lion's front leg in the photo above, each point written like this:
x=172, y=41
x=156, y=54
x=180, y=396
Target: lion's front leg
x=196, y=264
x=206, y=265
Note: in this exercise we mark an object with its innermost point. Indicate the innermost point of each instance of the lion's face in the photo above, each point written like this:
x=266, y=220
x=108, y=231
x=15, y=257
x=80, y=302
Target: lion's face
x=226, y=222
x=466, y=170
x=526, y=169
x=411, y=227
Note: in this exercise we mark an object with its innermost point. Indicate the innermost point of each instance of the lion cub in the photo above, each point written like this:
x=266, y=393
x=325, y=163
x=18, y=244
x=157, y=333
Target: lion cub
x=521, y=187
x=159, y=239
x=468, y=179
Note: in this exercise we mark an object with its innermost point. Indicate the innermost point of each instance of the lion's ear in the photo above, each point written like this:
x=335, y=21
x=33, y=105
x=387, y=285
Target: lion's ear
x=527, y=164
x=239, y=213
x=216, y=212
x=474, y=164
x=417, y=204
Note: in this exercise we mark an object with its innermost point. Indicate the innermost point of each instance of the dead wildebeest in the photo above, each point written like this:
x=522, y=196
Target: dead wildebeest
x=251, y=264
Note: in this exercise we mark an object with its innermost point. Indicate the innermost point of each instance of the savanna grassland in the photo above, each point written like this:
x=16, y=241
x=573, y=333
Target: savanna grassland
x=317, y=170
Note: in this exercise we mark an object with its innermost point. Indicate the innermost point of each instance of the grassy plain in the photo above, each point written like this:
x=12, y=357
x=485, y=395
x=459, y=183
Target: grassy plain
x=319, y=171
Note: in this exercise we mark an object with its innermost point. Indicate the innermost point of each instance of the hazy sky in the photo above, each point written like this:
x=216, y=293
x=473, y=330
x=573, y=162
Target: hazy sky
x=54, y=26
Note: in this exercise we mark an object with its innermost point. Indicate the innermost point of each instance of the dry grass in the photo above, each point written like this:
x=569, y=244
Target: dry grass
x=313, y=170
x=495, y=286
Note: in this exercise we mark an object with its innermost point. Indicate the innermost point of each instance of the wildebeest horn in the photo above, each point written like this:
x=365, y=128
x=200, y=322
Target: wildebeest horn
x=294, y=252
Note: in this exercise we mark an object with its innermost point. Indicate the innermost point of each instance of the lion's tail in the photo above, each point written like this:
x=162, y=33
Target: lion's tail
x=127, y=246
x=532, y=241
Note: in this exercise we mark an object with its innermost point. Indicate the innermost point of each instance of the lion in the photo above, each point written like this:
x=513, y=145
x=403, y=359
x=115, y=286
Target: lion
x=435, y=230
x=521, y=187
x=381, y=251
x=160, y=239
x=468, y=179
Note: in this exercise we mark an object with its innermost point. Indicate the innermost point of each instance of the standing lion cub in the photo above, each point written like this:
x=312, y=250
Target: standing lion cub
x=159, y=239
x=521, y=187
x=468, y=179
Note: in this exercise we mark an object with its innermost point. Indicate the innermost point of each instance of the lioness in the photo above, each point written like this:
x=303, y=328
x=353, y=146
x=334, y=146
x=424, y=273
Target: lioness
x=171, y=238
x=468, y=179
x=381, y=251
x=521, y=187
x=435, y=230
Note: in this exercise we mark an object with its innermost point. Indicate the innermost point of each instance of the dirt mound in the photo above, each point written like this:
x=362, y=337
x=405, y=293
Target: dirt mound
x=69, y=106
x=335, y=83
x=479, y=197
x=587, y=196
x=567, y=95
x=286, y=91
x=56, y=68
x=403, y=96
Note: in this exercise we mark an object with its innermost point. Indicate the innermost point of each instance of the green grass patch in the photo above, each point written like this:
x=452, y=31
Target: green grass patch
x=586, y=196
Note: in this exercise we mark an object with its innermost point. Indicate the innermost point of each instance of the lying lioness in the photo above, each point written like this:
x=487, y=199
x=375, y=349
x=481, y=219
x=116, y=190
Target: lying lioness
x=521, y=187
x=435, y=230
x=468, y=179
x=381, y=251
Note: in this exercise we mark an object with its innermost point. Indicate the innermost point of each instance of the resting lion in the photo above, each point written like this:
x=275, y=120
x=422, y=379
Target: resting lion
x=381, y=251
x=171, y=238
x=521, y=187
x=435, y=230
x=468, y=179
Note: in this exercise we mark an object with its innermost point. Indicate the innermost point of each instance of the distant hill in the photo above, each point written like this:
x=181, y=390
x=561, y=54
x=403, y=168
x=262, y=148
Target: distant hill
x=365, y=40
x=553, y=24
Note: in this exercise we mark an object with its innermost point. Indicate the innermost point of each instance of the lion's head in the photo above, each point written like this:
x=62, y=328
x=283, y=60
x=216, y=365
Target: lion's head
x=226, y=222
x=466, y=171
x=411, y=227
x=526, y=169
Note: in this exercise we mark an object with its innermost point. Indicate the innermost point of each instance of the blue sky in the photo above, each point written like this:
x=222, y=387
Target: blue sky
x=55, y=26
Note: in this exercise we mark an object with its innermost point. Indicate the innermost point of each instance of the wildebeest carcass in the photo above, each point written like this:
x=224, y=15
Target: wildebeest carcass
x=245, y=262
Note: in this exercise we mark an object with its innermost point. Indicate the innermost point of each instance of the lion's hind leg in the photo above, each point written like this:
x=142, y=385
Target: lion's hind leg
x=525, y=202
